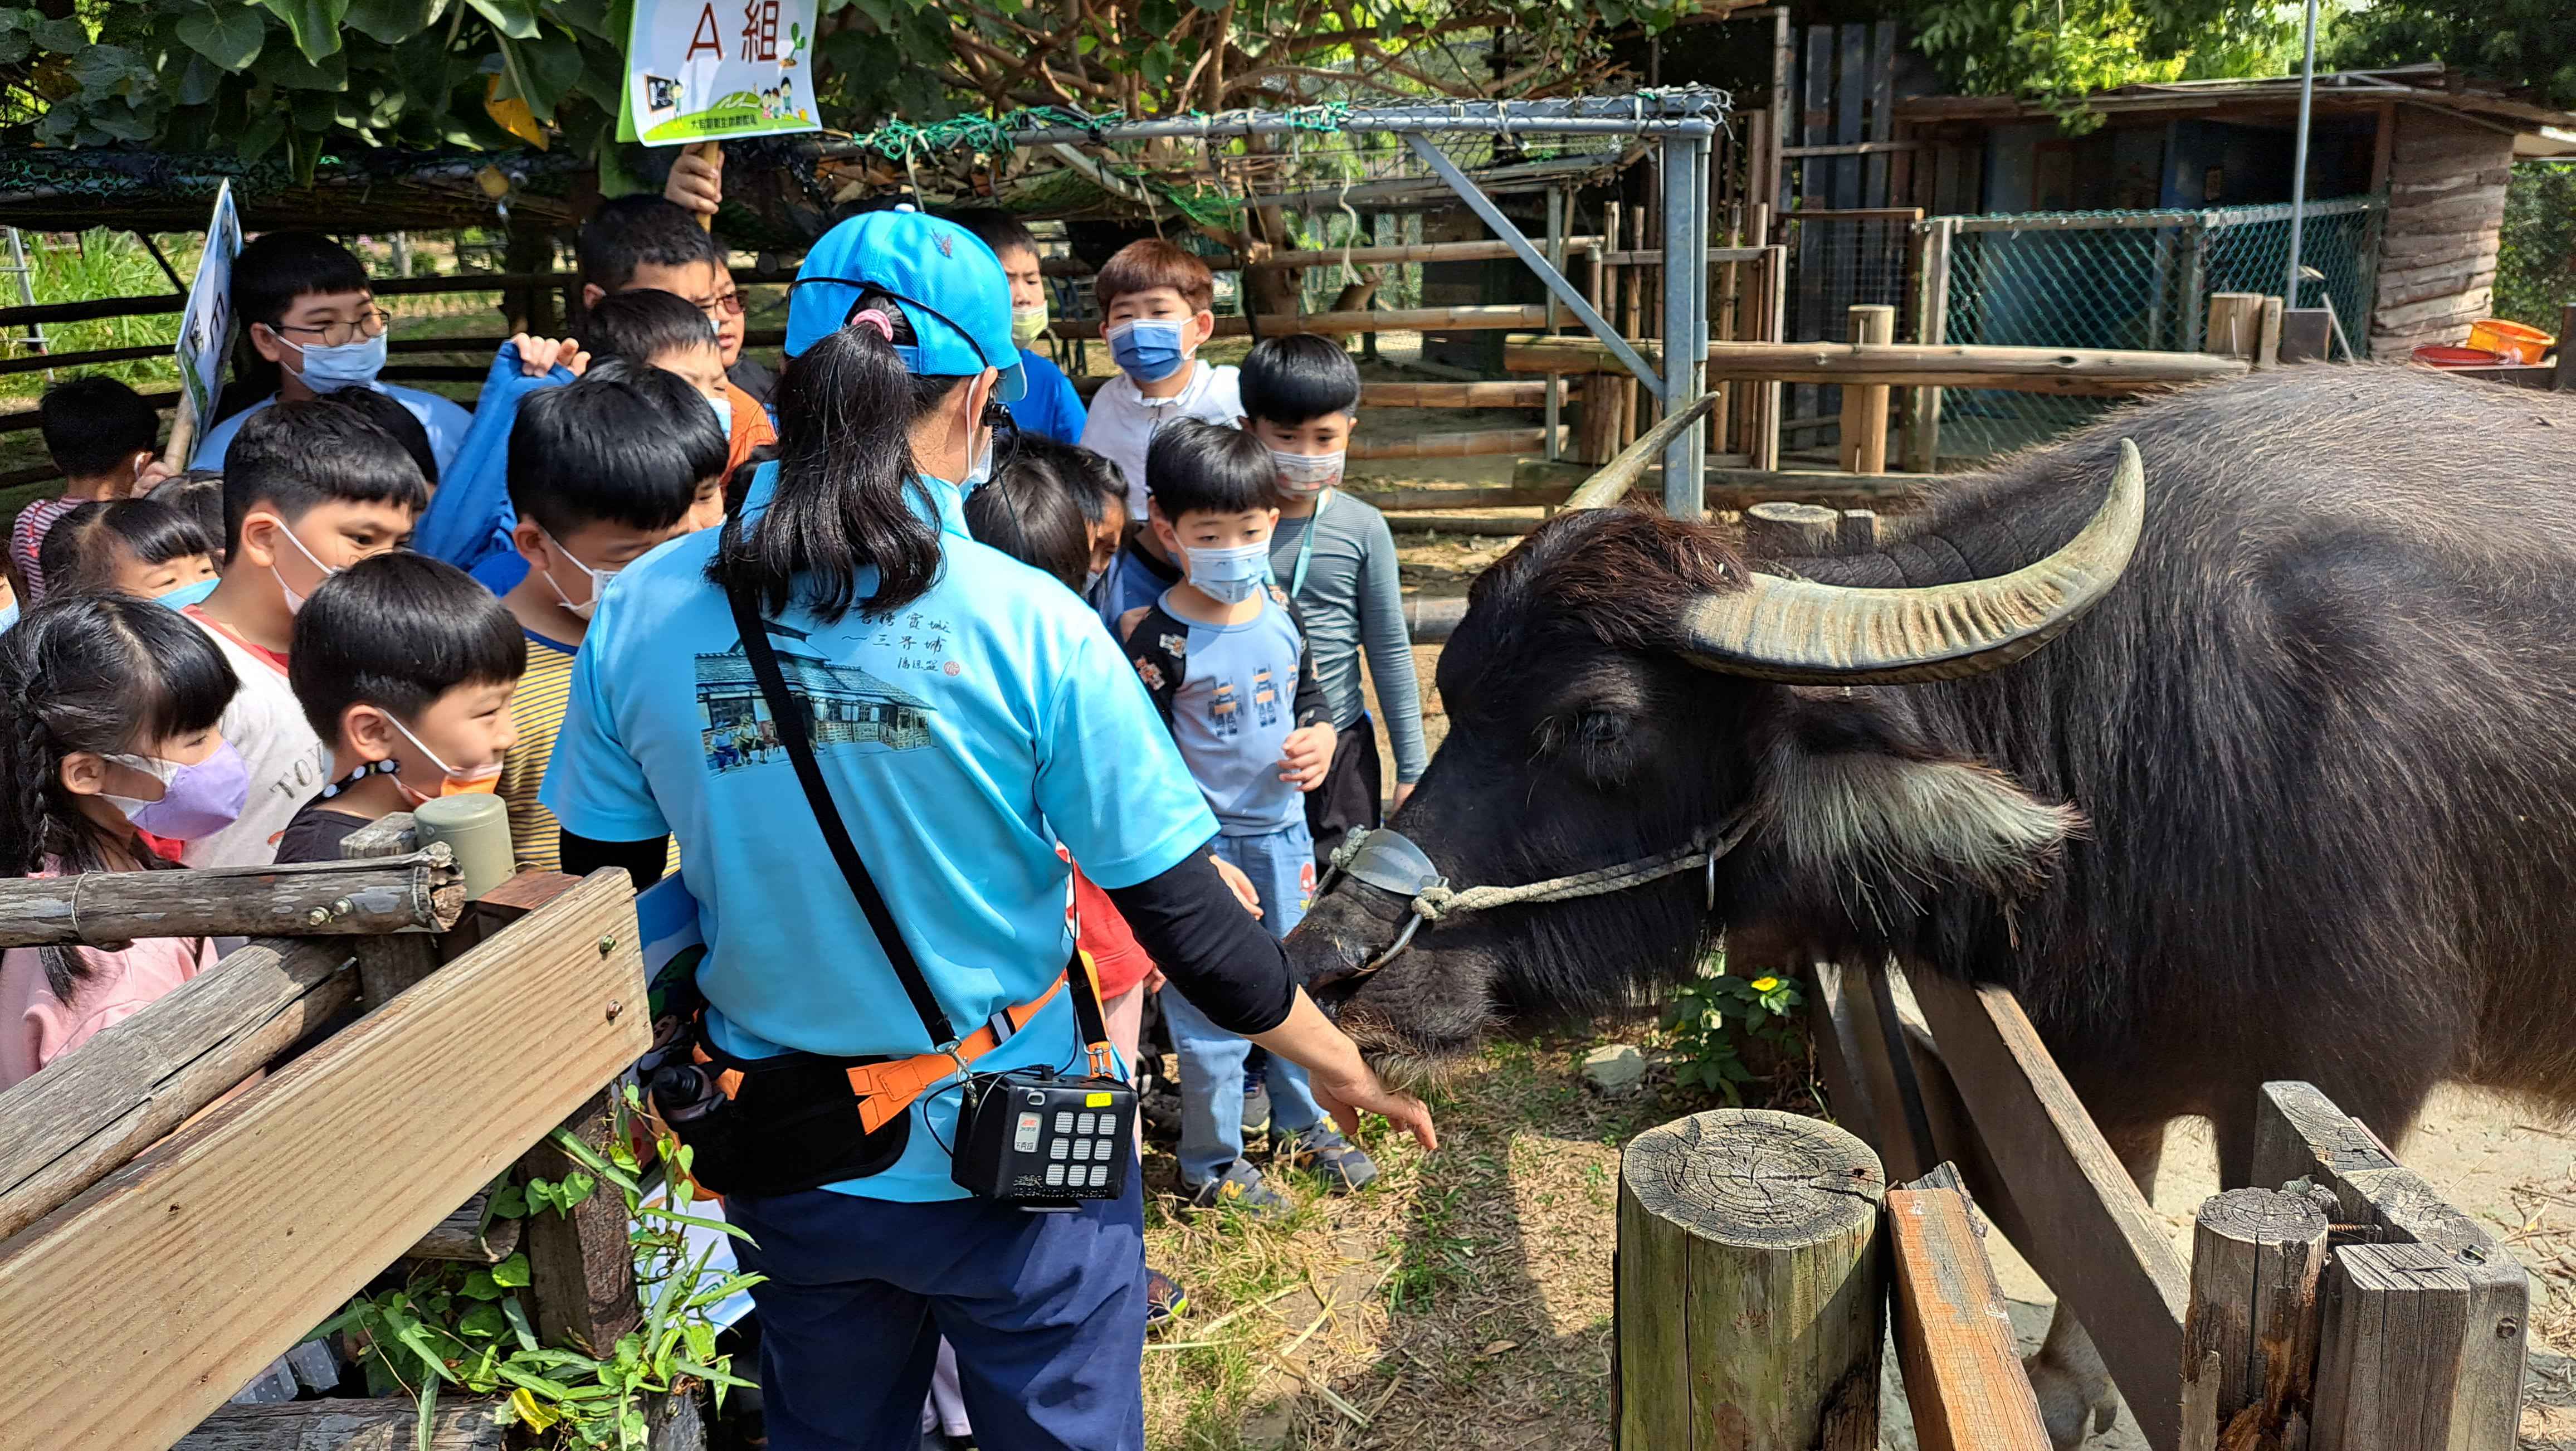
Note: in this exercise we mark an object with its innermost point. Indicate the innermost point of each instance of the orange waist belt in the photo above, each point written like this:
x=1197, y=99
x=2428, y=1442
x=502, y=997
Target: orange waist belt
x=887, y=1089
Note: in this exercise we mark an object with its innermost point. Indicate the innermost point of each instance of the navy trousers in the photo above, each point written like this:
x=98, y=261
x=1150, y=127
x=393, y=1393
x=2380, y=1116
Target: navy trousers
x=1046, y=1311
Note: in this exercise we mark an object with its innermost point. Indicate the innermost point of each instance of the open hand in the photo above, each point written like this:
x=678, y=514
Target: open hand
x=1306, y=755
x=1244, y=891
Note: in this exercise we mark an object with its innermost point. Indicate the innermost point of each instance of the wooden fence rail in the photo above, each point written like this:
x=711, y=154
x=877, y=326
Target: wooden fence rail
x=2072, y=372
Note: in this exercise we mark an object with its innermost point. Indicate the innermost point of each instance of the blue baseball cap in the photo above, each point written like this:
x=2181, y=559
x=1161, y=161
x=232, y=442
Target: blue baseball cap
x=948, y=283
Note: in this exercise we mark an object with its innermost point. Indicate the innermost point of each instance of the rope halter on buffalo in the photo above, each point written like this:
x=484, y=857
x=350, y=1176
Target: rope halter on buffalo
x=1386, y=859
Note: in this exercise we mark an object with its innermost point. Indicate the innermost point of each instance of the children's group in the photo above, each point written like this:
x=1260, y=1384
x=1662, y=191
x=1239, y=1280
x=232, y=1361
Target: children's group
x=362, y=596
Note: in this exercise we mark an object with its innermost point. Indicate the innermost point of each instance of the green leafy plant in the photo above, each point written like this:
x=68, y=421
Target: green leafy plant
x=1716, y=1018
x=465, y=1326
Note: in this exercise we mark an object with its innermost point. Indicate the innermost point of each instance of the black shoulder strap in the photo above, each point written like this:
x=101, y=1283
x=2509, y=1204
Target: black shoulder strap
x=788, y=711
x=795, y=733
x=1158, y=661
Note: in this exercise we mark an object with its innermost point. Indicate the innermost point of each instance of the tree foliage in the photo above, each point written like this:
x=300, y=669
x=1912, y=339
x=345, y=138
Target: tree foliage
x=2057, y=51
x=2521, y=44
x=300, y=77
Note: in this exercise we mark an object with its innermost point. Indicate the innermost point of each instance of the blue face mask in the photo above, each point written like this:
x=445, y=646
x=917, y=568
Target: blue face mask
x=724, y=417
x=350, y=365
x=1147, y=349
x=188, y=594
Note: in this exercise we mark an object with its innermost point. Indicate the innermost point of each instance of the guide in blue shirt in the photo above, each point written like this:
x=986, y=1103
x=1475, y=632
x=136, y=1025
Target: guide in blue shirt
x=966, y=714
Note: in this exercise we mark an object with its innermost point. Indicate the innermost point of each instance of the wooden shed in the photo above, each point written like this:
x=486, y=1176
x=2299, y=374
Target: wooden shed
x=2439, y=146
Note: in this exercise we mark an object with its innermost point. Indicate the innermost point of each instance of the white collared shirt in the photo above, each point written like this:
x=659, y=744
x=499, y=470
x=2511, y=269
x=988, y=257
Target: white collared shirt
x=1123, y=420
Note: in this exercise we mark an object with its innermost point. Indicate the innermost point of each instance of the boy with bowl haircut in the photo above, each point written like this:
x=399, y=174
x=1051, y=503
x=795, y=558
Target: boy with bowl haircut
x=1222, y=656
x=602, y=471
x=661, y=330
x=1336, y=558
x=310, y=324
x=310, y=488
x=102, y=435
x=404, y=666
x=1155, y=302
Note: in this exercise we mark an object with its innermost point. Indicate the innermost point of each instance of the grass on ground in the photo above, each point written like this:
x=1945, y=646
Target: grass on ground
x=1463, y=1300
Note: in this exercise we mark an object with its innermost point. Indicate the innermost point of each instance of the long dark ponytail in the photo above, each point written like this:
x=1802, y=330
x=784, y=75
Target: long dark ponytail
x=846, y=408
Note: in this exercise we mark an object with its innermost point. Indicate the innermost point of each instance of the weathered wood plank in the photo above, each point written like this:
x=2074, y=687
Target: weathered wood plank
x=2088, y=1231
x=1463, y=443
x=1739, y=489
x=73, y=1124
x=2250, y=1339
x=1748, y=1286
x=388, y=965
x=459, y=1424
x=2070, y=372
x=1954, y=1338
x=581, y=1267
x=316, y=899
x=1864, y=442
x=464, y=1236
x=180, y=1276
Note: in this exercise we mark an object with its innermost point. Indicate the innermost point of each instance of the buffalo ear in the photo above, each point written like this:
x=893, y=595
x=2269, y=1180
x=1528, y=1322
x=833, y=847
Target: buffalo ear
x=1849, y=792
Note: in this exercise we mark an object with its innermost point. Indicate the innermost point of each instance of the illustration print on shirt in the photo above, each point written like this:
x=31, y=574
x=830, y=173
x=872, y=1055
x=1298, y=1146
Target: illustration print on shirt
x=1225, y=712
x=846, y=705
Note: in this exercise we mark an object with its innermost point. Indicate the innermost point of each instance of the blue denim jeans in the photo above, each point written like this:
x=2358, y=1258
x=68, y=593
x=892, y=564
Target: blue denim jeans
x=1282, y=868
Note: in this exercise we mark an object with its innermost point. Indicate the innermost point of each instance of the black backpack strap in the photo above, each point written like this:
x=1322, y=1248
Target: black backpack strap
x=795, y=733
x=1158, y=648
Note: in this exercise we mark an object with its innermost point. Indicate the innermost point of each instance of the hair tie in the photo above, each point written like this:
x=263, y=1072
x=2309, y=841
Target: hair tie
x=884, y=324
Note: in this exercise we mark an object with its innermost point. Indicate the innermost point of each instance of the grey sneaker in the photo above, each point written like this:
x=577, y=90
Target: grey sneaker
x=1322, y=1150
x=1241, y=1187
x=1256, y=1111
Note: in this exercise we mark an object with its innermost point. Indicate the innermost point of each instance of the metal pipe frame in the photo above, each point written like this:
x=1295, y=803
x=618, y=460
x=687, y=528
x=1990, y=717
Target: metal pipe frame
x=1502, y=227
x=1685, y=190
x=1677, y=111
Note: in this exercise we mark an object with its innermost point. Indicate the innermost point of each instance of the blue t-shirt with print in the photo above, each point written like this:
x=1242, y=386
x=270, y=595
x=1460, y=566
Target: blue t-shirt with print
x=1232, y=714
x=444, y=421
x=1051, y=408
x=963, y=738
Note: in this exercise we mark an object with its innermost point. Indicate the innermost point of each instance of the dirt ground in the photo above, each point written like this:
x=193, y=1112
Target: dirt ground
x=1465, y=1300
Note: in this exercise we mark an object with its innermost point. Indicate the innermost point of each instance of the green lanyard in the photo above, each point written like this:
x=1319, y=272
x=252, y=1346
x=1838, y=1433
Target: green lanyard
x=1306, y=546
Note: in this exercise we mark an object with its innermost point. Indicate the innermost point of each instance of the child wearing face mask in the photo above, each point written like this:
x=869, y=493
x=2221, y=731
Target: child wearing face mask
x=309, y=325
x=102, y=435
x=1155, y=302
x=601, y=472
x=406, y=667
x=1335, y=556
x=660, y=329
x=146, y=548
x=114, y=732
x=1223, y=655
x=310, y=488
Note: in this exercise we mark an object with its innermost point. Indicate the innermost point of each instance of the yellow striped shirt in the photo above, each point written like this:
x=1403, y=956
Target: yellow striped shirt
x=537, y=710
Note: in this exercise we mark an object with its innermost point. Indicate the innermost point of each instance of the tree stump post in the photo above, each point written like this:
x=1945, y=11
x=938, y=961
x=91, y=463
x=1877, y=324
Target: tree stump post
x=2249, y=1343
x=1778, y=530
x=1750, y=1289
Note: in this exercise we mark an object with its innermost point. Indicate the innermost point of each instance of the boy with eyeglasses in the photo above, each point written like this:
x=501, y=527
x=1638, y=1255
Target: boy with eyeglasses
x=310, y=325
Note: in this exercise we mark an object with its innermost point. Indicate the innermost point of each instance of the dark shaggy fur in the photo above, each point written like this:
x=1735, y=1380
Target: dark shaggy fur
x=2293, y=802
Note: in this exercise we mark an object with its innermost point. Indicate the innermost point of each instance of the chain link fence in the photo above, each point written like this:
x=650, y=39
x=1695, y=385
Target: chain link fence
x=2129, y=280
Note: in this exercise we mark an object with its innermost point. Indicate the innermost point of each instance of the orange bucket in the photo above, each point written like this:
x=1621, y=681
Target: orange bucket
x=2446, y=355
x=2518, y=343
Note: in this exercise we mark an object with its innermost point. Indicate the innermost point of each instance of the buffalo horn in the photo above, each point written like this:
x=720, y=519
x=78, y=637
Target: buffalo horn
x=1805, y=633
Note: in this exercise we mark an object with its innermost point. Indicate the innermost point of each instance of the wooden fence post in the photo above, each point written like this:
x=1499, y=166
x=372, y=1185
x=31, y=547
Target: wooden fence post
x=2564, y=380
x=2235, y=325
x=1865, y=408
x=1922, y=442
x=2249, y=1341
x=2267, y=335
x=388, y=964
x=1790, y=531
x=2425, y=1320
x=1748, y=1287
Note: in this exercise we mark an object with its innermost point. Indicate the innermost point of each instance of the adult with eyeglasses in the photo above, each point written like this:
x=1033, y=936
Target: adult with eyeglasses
x=310, y=325
x=960, y=714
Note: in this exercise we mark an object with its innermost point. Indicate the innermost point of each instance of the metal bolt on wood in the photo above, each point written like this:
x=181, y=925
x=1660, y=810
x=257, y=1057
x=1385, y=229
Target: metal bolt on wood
x=607, y=945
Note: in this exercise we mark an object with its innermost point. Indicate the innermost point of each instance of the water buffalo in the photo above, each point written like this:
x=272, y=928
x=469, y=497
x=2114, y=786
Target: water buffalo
x=2291, y=795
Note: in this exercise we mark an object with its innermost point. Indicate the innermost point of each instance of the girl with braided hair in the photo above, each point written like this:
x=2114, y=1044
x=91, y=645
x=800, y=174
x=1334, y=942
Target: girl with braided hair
x=111, y=735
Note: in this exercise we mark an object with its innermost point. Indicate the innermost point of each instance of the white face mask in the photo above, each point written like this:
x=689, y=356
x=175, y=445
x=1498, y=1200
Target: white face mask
x=1306, y=474
x=599, y=578
x=1230, y=576
x=294, y=601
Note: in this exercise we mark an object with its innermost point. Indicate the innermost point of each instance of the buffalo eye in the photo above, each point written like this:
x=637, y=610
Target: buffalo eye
x=1597, y=743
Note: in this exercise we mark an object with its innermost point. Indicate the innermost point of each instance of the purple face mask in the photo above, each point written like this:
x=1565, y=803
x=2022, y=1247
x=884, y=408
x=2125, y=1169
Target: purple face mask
x=196, y=801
